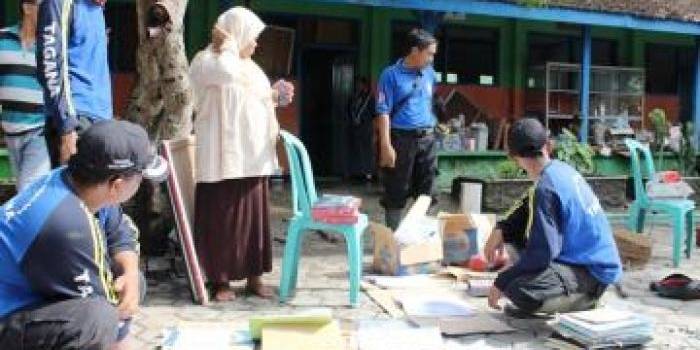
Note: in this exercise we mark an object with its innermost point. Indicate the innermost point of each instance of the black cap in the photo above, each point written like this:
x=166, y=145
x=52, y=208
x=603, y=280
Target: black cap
x=526, y=138
x=114, y=147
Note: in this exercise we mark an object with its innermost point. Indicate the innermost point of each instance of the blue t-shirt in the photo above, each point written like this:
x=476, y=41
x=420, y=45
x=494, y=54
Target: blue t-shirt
x=53, y=248
x=406, y=95
x=72, y=62
x=567, y=225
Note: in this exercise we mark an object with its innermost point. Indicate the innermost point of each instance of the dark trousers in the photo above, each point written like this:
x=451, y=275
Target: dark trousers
x=53, y=138
x=415, y=170
x=85, y=323
x=559, y=288
x=89, y=323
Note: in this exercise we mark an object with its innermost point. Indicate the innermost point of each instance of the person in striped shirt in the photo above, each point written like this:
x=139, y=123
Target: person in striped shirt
x=22, y=114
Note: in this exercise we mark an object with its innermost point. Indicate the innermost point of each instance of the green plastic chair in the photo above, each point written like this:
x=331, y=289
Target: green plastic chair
x=303, y=198
x=680, y=210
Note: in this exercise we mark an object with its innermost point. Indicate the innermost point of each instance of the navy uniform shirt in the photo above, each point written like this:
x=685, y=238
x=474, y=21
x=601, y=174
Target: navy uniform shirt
x=564, y=223
x=406, y=95
x=53, y=248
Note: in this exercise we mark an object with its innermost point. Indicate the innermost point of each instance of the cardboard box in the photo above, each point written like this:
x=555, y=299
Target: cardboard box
x=455, y=230
x=395, y=259
x=415, y=247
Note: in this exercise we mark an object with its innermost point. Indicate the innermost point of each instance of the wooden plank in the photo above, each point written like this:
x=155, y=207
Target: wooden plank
x=464, y=274
x=383, y=298
x=181, y=184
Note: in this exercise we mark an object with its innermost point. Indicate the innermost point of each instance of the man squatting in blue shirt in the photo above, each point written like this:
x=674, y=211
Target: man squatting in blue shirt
x=69, y=274
x=405, y=123
x=567, y=254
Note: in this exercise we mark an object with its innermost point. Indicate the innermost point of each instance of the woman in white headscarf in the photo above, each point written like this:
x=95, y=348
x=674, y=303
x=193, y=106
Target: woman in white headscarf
x=237, y=133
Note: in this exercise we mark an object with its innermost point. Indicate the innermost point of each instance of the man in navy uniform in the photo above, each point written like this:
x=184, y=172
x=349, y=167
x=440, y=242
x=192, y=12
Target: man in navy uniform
x=64, y=237
x=565, y=255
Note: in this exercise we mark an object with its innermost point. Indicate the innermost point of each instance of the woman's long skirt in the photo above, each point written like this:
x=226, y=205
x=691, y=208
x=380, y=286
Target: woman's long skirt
x=232, y=229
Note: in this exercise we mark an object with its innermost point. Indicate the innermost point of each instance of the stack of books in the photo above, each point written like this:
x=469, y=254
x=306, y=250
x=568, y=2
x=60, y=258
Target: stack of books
x=601, y=329
x=337, y=209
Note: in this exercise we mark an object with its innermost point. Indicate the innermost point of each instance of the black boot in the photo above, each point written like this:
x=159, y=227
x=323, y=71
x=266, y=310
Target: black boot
x=392, y=218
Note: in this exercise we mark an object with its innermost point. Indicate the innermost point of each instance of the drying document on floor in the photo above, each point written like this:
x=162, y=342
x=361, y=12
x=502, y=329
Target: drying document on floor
x=207, y=335
x=302, y=336
x=431, y=305
x=382, y=335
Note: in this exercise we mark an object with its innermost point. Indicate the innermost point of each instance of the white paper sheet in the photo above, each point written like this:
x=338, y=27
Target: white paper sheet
x=202, y=336
x=435, y=305
x=382, y=335
x=419, y=230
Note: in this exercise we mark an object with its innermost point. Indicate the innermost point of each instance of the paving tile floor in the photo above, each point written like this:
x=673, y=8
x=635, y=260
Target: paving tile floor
x=323, y=283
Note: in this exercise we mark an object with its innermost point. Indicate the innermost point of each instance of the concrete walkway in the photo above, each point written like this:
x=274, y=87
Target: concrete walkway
x=323, y=283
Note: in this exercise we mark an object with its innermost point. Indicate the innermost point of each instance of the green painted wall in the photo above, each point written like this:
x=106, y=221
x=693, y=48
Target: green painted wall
x=199, y=19
x=10, y=8
x=639, y=39
x=375, y=26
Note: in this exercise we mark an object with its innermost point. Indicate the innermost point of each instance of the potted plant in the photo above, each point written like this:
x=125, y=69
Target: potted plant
x=506, y=183
x=577, y=154
x=580, y=156
x=660, y=128
x=688, y=159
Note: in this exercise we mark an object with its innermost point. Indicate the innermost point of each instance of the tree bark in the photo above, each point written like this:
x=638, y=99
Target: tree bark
x=162, y=100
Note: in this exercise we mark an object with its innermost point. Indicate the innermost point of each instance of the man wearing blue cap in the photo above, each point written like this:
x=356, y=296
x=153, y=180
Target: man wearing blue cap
x=65, y=236
x=567, y=254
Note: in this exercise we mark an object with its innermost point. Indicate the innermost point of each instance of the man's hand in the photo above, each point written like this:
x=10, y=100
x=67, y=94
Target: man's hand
x=387, y=157
x=127, y=286
x=68, y=146
x=494, y=296
x=494, y=246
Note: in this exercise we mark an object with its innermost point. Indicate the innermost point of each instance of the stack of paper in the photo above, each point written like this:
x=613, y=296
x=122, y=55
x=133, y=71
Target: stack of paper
x=206, y=335
x=335, y=209
x=311, y=329
x=316, y=317
x=302, y=336
x=602, y=328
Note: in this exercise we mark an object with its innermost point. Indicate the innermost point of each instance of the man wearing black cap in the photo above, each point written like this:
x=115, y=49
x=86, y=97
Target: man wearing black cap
x=568, y=256
x=63, y=238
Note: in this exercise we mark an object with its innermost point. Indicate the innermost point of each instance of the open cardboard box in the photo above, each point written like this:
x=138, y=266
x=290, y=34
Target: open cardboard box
x=454, y=231
x=422, y=255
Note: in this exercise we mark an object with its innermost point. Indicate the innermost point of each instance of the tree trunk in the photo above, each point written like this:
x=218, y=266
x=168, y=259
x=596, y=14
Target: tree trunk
x=162, y=102
x=162, y=99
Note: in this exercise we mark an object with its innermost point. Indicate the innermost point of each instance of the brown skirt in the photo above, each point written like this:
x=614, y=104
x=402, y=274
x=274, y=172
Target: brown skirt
x=232, y=229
